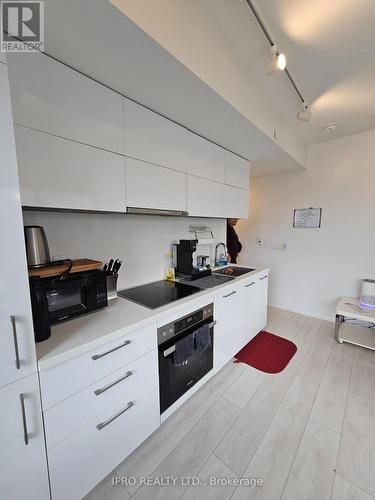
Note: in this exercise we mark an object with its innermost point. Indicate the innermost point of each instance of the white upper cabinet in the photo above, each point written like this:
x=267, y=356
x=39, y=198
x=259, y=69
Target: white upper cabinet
x=49, y=96
x=17, y=346
x=236, y=171
x=205, y=159
x=152, y=138
x=152, y=186
x=236, y=202
x=204, y=197
x=59, y=173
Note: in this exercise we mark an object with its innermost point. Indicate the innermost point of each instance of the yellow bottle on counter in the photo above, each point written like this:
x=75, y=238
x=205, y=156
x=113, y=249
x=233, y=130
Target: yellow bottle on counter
x=170, y=273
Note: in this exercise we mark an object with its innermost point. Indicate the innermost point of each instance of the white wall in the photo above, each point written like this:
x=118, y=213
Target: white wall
x=319, y=265
x=141, y=242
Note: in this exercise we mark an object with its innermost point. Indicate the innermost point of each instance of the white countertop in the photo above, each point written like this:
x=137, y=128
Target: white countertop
x=76, y=336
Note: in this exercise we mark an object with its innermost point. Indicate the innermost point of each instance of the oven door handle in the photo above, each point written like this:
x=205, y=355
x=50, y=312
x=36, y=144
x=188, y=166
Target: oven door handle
x=169, y=351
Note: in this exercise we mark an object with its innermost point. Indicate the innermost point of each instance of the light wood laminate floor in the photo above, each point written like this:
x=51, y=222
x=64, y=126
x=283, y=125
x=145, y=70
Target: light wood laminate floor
x=305, y=433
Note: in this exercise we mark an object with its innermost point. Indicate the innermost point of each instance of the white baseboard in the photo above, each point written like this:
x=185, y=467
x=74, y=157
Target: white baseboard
x=307, y=312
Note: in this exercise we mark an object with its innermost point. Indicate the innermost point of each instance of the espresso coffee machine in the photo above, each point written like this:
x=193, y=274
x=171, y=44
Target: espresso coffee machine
x=184, y=261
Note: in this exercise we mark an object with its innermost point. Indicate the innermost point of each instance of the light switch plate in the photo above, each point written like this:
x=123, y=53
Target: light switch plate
x=278, y=246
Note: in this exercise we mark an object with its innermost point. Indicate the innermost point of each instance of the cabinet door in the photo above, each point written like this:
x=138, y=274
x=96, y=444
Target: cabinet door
x=83, y=459
x=236, y=202
x=251, y=313
x=205, y=158
x=152, y=138
x=23, y=465
x=152, y=186
x=204, y=197
x=236, y=171
x=260, y=318
x=58, y=173
x=17, y=346
x=49, y=96
x=229, y=326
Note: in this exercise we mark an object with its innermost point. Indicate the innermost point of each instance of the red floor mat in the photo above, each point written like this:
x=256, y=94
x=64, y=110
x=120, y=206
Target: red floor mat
x=267, y=352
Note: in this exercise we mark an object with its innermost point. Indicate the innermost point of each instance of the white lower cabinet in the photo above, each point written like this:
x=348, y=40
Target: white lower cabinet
x=62, y=381
x=59, y=173
x=241, y=313
x=23, y=464
x=229, y=328
x=74, y=412
x=260, y=309
x=83, y=459
x=152, y=186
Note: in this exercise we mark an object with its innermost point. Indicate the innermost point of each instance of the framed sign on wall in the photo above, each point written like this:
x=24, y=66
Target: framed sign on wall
x=307, y=218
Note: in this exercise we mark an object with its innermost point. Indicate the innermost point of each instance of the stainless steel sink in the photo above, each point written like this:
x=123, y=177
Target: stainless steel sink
x=233, y=271
x=211, y=281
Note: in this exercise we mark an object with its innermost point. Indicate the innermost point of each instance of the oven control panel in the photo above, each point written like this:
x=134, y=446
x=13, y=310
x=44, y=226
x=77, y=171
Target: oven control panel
x=168, y=331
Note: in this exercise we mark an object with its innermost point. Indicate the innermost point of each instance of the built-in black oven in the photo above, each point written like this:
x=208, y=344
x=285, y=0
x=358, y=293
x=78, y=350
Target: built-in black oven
x=185, y=354
x=58, y=298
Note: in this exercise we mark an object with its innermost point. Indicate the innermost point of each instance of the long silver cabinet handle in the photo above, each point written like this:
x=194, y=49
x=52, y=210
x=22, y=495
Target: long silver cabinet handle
x=250, y=284
x=229, y=294
x=213, y=323
x=264, y=277
x=106, y=387
x=98, y=356
x=24, y=423
x=116, y=415
x=15, y=339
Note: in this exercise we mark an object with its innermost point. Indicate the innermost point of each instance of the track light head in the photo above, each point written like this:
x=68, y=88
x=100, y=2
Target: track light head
x=278, y=62
x=305, y=114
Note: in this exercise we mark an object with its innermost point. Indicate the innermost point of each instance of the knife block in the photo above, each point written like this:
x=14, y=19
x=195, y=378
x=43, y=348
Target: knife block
x=112, y=286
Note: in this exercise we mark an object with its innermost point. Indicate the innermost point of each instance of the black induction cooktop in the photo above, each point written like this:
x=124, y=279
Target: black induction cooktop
x=159, y=293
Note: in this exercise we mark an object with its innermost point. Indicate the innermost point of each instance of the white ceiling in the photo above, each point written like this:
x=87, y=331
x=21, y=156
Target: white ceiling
x=330, y=46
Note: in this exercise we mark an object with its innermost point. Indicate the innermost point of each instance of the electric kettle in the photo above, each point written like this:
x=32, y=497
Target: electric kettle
x=37, y=250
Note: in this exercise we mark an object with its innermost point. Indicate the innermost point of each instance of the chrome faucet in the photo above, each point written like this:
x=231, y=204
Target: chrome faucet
x=222, y=255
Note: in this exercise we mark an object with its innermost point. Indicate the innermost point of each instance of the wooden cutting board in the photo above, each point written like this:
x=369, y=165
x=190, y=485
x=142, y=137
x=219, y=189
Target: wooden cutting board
x=78, y=266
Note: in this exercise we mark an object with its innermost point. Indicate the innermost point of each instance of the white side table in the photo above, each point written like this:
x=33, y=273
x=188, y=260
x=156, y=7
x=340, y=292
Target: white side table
x=349, y=307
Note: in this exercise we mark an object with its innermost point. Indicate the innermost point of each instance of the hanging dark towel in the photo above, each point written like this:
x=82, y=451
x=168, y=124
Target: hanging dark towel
x=184, y=350
x=202, y=338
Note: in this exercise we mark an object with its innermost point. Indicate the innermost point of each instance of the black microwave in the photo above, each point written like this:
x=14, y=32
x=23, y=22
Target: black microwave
x=58, y=298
